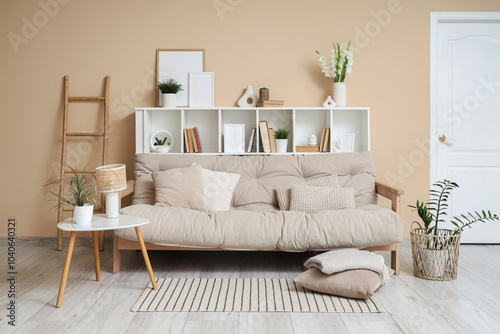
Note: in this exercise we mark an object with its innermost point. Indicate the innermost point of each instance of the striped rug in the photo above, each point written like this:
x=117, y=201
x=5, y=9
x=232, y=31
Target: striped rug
x=244, y=295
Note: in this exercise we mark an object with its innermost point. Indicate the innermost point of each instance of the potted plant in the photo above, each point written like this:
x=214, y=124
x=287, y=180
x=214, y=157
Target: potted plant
x=281, y=136
x=161, y=146
x=168, y=90
x=339, y=68
x=79, y=188
x=435, y=251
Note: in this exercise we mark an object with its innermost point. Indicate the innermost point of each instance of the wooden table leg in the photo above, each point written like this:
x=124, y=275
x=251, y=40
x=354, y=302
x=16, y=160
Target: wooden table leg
x=146, y=257
x=96, y=256
x=66, y=268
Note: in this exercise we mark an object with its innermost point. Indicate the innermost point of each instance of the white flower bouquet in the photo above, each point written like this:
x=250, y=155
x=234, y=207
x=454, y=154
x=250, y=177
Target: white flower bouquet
x=341, y=63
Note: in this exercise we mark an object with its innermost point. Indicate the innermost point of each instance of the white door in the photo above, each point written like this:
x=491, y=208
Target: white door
x=465, y=107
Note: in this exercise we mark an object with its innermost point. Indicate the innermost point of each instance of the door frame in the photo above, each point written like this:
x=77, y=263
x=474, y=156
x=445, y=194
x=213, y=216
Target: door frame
x=435, y=19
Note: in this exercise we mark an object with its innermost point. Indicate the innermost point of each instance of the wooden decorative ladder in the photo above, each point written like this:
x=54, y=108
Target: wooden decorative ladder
x=66, y=134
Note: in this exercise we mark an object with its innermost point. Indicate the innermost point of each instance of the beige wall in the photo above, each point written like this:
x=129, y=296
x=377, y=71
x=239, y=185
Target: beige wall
x=248, y=42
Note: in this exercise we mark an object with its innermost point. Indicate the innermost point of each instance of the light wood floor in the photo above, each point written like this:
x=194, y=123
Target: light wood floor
x=469, y=304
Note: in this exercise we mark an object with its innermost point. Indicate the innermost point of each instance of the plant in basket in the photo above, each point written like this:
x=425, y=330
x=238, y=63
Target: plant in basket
x=435, y=250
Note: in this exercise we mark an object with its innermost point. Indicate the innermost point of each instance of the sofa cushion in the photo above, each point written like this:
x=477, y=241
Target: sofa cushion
x=262, y=174
x=283, y=193
x=371, y=225
x=180, y=187
x=218, y=188
x=316, y=199
x=360, y=283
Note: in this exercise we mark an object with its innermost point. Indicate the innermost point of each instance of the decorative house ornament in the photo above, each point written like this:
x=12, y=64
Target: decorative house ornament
x=312, y=140
x=248, y=99
x=329, y=103
x=264, y=94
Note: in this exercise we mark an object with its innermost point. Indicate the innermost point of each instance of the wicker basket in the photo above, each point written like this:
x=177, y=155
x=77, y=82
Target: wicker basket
x=435, y=257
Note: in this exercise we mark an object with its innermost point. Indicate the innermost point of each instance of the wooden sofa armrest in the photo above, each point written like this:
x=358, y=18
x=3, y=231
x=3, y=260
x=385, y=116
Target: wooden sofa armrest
x=126, y=192
x=392, y=193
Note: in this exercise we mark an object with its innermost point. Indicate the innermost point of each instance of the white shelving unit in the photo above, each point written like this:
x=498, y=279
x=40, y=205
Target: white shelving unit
x=210, y=122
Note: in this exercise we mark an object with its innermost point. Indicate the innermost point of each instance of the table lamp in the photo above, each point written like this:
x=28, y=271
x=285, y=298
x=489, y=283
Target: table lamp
x=111, y=179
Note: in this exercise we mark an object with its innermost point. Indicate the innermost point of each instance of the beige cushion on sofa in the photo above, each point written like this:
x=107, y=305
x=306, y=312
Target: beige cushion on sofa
x=359, y=283
x=180, y=187
x=371, y=225
x=218, y=188
x=316, y=199
x=283, y=193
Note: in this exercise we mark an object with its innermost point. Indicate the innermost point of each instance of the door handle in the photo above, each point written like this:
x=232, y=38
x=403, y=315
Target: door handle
x=442, y=139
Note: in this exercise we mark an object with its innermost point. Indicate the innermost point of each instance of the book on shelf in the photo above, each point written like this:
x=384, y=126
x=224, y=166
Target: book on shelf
x=327, y=140
x=198, y=142
x=190, y=141
x=193, y=140
x=251, y=141
x=322, y=140
x=264, y=136
x=272, y=140
x=270, y=103
x=186, y=141
x=306, y=148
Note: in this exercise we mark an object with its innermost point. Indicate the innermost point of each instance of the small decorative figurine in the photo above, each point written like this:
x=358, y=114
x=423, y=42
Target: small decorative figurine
x=312, y=140
x=248, y=99
x=329, y=103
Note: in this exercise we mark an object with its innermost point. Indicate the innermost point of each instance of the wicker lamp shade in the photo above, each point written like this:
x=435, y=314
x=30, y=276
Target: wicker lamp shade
x=111, y=178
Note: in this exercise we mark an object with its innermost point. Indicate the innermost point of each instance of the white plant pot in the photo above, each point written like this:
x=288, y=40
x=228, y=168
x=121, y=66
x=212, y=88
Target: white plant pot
x=83, y=214
x=169, y=100
x=340, y=94
x=281, y=145
x=163, y=148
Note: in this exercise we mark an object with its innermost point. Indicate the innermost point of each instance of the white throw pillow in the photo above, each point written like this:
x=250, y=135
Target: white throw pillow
x=218, y=188
x=316, y=199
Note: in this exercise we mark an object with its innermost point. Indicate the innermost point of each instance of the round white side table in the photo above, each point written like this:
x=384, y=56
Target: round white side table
x=101, y=223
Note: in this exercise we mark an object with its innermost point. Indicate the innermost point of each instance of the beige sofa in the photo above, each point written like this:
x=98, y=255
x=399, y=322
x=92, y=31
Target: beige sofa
x=254, y=221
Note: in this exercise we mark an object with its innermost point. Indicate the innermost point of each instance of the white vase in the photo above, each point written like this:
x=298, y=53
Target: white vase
x=162, y=148
x=169, y=100
x=340, y=94
x=248, y=99
x=281, y=145
x=312, y=140
x=83, y=214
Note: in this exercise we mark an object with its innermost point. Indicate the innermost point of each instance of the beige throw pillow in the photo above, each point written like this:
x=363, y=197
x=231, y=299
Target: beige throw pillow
x=180, y=187
x=316, y=199
x=218, y=188
x=359, y=283
x=283, y=193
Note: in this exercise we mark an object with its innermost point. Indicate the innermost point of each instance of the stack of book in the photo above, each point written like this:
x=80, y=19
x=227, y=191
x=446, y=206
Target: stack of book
x=192, y=142
x=267, y=139
x=270, y=103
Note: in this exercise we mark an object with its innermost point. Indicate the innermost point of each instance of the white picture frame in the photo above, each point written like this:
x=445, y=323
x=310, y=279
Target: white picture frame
x=201, y=90
x=177, y=64
x=347, y=143
x=234, y=138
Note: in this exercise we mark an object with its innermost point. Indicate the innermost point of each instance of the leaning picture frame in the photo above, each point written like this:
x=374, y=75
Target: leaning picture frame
x=201, y=90
x=347, y=143
x=177, y=64
x=234, y=138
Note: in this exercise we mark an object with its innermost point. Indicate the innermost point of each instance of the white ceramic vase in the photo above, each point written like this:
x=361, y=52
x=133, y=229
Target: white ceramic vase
x=312, y=140
x=248, y=99
x=340, y=94
x=162, y=148
x=169, y=100
x=281, y=145
x=83, y=214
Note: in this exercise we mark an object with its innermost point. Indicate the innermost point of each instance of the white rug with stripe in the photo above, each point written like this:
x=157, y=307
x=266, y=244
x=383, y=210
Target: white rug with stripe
x=245, y=295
